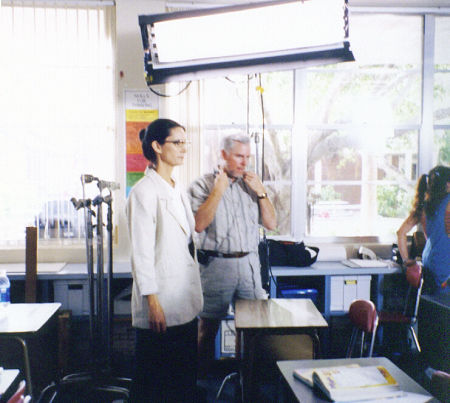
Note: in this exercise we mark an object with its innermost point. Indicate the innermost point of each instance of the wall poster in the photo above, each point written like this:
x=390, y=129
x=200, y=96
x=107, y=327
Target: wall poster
x=141, y=108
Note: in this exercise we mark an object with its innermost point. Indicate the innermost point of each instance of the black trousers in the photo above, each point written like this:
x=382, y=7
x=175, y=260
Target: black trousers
x=165, y=365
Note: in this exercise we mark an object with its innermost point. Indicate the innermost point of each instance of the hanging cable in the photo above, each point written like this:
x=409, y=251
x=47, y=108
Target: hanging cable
x=261, y=90
x=169, y=95
x=249, y=77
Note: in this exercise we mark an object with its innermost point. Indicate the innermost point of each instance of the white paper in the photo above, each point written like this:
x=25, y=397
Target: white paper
x=331, y=253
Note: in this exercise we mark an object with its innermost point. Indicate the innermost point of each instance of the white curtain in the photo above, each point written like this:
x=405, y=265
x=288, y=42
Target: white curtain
x=57, y=112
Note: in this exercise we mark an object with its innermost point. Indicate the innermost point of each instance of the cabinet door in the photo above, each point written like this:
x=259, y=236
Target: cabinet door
x=337, y=293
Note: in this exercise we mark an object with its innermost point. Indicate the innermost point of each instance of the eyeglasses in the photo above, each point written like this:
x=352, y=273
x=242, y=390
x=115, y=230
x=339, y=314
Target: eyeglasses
x=179, y=143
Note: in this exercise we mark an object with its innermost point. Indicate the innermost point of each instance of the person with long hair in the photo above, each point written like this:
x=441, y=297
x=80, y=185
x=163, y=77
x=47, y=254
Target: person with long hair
x=431, y=208
x=166, y=294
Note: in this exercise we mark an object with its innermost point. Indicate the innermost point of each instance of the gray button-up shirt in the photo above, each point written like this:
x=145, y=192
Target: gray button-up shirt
x=235, y=227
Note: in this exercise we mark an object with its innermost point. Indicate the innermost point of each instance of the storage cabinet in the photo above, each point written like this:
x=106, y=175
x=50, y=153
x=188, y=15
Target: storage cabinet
x=73, y=295
x=345, y=289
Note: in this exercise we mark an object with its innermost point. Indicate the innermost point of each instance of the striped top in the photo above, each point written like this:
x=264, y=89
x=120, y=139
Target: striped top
x=235, y=227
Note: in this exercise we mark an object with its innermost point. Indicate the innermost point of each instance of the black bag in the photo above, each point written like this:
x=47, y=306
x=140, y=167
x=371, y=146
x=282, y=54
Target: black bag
x=288, y=253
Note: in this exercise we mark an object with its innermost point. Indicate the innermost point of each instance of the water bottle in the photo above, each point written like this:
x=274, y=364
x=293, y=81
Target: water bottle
x=5, y=286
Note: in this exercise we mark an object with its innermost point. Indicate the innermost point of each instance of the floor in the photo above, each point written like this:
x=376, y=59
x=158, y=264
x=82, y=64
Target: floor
x=209, y=386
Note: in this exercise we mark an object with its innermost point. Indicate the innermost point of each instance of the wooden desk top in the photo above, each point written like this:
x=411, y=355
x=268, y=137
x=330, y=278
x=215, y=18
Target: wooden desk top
x=27, y=318
x=277, y=313
x=306, y=394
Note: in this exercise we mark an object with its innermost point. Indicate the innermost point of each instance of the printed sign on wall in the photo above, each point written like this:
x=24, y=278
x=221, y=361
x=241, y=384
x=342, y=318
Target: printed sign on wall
x=141, y=108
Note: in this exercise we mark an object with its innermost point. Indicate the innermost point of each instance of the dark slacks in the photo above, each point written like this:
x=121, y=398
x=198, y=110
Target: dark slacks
x=165, y=365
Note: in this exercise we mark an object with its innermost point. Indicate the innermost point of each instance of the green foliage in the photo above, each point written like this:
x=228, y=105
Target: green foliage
x=327, y=193
x=393, y=201
x=444, y=148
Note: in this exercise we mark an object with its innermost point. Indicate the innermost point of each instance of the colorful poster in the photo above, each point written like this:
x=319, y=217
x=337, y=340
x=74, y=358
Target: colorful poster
x=141, y=108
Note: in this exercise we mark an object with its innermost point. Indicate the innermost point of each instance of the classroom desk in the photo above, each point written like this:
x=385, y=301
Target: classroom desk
x=329, y=269
x=254, y=318
x=297, y=391
x=25, y=320
x=48, y=273
x=67, y=271
x=7, y=378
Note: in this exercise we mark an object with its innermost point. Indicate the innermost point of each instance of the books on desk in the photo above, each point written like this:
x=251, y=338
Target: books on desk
x=351, y=382
x=364, y=263
x=306, y=374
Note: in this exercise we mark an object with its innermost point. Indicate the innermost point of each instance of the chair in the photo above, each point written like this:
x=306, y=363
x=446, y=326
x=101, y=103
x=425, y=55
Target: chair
x=440, y=385
x=363, y=316
x=408, y=317
x=19, y=394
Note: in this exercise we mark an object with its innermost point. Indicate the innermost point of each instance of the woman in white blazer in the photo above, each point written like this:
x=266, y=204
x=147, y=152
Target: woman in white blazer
x=166, y=296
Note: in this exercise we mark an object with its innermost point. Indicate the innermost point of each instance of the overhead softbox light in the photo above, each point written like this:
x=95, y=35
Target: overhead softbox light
x=256, y=37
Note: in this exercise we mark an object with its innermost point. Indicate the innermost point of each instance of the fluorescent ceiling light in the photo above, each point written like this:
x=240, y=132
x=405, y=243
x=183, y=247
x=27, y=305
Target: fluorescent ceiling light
x=249, y=38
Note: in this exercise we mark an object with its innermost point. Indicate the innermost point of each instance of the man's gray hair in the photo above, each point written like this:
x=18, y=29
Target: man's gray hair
x=227, y=142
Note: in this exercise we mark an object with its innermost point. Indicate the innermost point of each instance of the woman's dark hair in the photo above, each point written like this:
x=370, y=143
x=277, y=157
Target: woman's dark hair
x=437, y=188
x=430, y=191
x=419, y=198
x=158, y=130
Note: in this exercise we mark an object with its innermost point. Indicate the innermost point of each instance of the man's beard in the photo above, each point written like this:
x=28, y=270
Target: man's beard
x=233, y=174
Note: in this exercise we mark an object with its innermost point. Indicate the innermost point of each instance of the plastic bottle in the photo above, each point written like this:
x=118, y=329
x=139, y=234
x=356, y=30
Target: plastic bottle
x=5, y=286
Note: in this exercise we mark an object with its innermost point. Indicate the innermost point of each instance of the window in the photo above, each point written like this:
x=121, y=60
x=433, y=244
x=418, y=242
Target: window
x=57, y=119
x=342, y=147
x=239, y=109
x=363, y=122
x=441, y=98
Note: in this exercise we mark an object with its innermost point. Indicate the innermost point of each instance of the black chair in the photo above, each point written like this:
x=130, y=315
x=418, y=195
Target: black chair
x=407, y=318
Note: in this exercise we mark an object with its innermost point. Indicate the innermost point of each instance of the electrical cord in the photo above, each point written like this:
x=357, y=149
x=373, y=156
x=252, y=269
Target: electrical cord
x=169, y=95
x=249, y=77
x=261, y=90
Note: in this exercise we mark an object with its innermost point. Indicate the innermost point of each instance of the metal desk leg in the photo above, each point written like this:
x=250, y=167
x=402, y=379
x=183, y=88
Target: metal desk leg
x=317, y=351
x=248, y=361
x=26, y=360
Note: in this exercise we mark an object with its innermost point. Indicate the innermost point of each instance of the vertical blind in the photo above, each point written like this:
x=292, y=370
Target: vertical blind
x=57, y=113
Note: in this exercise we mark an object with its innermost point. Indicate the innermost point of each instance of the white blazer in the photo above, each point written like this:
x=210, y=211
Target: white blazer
x=160, y=259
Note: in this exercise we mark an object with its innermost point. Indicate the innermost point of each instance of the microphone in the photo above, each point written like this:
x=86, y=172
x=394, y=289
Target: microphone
x=108, y=185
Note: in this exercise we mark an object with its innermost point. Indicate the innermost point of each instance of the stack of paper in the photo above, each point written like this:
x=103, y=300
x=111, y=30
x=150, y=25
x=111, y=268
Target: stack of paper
x=351, y=382
x=365, y=263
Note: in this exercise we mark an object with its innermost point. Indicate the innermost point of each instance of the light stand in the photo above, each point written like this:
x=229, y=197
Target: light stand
x=89, y=235
x=110, y=304
x=98, y=202
x=96, y=384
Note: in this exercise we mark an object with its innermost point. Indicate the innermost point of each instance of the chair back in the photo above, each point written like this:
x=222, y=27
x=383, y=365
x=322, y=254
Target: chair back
x=363, y=315
x=414, y=275
x=415, y=280
x=19, y=394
